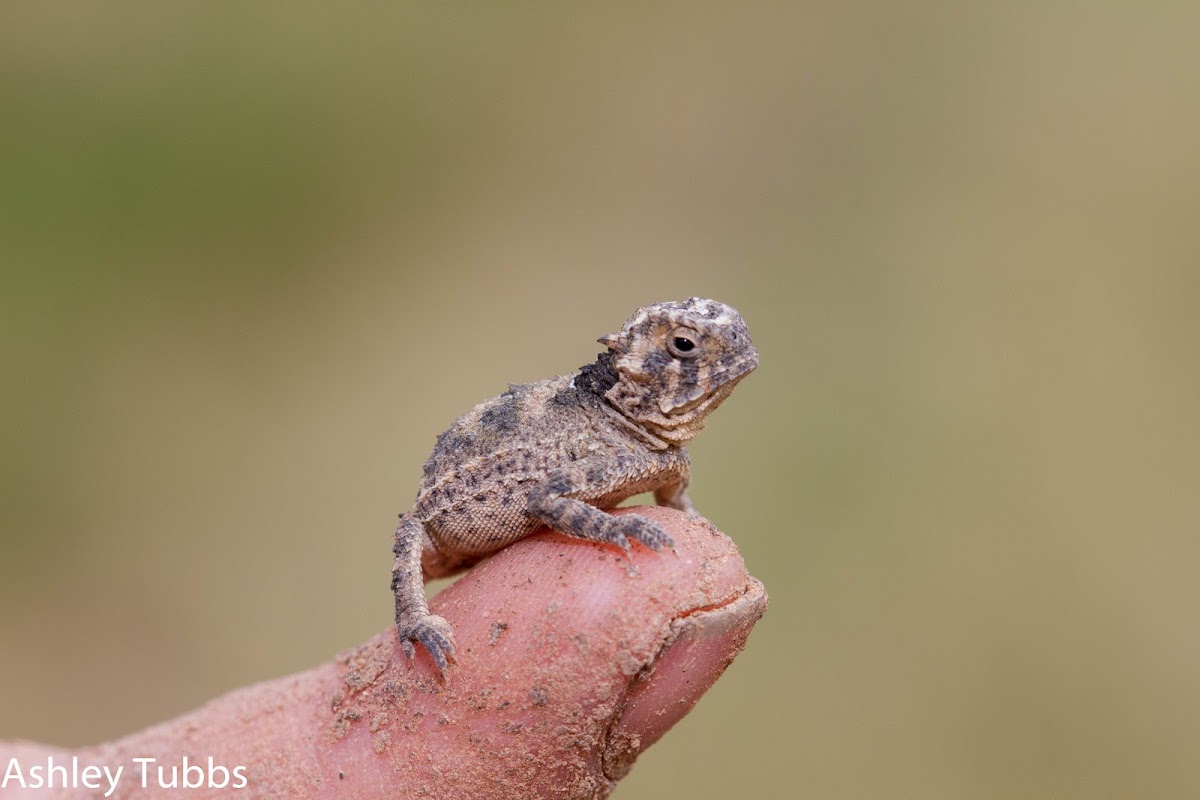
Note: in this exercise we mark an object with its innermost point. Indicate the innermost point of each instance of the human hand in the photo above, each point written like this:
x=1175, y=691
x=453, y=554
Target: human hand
x=572, y=659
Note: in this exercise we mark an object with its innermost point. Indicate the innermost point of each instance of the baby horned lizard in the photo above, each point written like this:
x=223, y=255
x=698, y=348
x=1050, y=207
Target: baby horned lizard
x=556, y=452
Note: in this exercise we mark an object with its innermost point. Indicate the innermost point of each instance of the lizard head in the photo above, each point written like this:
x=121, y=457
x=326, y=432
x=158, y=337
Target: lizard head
x=676, y=362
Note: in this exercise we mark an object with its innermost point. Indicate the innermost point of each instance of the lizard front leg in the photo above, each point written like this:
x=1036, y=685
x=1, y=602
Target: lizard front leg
x=414, y=623
x=555, y=502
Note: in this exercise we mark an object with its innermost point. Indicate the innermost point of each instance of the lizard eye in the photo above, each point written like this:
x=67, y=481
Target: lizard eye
x=684, y=343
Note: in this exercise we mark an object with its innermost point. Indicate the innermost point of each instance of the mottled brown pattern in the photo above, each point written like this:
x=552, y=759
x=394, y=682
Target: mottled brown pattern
x=559, y=451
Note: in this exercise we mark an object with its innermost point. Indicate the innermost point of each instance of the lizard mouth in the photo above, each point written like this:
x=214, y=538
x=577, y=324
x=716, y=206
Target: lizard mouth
x=730, y=375
x=724, y=383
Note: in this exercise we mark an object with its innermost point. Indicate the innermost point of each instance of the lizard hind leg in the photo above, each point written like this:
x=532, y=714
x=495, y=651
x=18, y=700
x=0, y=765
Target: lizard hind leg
x=414, y=623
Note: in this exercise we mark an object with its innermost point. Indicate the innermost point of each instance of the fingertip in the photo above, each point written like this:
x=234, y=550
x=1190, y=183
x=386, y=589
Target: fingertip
x=699, y=649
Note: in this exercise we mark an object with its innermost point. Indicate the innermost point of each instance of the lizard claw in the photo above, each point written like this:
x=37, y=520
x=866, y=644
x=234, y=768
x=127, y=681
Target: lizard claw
x=634, y=527
x=435, y=635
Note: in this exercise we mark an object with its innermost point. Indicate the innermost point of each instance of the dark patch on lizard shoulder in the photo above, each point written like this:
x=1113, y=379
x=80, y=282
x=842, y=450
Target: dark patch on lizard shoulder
x=589, y=386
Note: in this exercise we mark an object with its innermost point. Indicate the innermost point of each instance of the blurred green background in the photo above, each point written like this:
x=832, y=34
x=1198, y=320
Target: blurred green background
x=254, y=258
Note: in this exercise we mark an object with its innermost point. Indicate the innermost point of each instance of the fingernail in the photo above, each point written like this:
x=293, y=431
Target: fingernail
x=697, y=649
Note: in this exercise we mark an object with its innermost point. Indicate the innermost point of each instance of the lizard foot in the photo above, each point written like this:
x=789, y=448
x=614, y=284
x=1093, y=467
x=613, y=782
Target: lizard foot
x=634, y=527
x=434, y=634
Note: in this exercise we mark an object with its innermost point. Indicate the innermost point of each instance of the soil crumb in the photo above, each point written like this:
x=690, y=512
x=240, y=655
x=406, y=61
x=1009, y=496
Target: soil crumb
x=365, y=663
